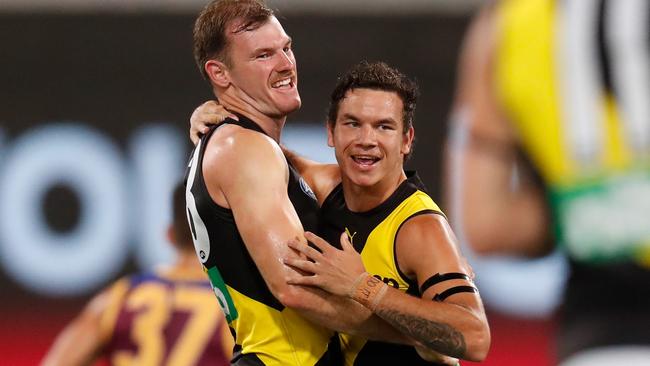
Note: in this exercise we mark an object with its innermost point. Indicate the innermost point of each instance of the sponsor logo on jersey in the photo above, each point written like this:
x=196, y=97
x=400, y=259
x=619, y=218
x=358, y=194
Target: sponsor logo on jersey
x=223, y=296
x=350, y=236
x=306, y=188
x=387, y=280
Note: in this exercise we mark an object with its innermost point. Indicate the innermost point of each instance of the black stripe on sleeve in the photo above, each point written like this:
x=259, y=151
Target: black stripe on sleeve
x=454, y=290
x=438, y=277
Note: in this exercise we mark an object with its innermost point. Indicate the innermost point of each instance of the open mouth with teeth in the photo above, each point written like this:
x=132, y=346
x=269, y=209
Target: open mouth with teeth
x=283, y=84
x=365, y=160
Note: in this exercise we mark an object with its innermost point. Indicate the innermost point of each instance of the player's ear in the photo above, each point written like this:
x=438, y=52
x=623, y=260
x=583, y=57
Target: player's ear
x=330, y=133
x=217, y=72
x=407, y=141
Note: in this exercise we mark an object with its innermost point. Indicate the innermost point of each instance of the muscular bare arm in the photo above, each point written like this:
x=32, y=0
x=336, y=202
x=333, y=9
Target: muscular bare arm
x=238, y=162
x=496, y=214
x=455, y=326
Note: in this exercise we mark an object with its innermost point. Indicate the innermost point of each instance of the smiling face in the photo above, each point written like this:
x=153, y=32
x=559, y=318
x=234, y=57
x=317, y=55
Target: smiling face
x=263, y=74
x=368, y=138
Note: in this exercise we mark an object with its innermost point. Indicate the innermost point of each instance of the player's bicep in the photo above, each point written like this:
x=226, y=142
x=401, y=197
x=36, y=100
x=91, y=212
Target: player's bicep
x=427, y=251
x=266, y=219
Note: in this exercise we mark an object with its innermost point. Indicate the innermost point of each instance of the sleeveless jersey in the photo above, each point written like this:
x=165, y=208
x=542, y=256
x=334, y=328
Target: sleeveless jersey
x=573, y=77
x=373, y=234
x=155, y=320
x=266, y=333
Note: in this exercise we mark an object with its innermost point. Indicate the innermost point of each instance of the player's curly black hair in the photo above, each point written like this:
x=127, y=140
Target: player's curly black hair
x=376, y=76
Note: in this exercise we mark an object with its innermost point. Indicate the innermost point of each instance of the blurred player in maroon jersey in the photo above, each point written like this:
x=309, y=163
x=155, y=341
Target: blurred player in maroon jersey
x=168, y=316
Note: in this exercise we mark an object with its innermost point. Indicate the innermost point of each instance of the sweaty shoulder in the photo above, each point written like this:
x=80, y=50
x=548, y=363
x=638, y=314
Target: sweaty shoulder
x=238, y=157
x=231, y=139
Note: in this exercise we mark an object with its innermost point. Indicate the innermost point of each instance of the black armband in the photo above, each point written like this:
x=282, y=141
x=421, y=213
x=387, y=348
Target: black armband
x=437, y=278
x=454, y=290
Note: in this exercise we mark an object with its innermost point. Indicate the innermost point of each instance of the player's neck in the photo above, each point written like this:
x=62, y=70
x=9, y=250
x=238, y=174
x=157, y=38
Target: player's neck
x=364, y=198
x=187, y=266
x=187, y=259
x=272, y=126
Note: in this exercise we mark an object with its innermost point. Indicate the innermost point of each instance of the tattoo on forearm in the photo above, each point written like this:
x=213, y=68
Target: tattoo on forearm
x=437, y=336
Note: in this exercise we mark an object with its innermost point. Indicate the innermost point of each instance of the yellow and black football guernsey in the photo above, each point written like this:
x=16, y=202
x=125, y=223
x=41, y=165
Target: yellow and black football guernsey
x=266, y=333
x=373, y=235
x=574, y=79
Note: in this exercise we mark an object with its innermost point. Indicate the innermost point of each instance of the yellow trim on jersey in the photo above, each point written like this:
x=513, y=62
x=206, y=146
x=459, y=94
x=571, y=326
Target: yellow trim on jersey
x=378, y=256
x=152, y=304
x=573, y=128
x=643, y=254
x=527, y=84
x=278, y=338
x=526, y=81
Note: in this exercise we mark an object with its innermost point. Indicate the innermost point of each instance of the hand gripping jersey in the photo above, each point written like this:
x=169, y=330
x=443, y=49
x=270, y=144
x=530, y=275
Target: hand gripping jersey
x=161, y=320
x=266, y=333
x=573, y=77
x=373, y=235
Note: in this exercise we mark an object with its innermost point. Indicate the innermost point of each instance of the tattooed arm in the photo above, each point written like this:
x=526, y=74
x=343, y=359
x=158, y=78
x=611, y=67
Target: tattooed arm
x=453, y=324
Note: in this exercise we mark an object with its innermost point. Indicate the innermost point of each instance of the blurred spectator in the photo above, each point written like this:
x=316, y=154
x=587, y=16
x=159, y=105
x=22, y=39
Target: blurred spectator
x=551, y=132
x=170, y=316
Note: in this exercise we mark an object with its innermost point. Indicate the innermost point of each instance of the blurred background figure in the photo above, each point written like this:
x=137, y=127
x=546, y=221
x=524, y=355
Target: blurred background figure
x=550, y=144
x=169, y=316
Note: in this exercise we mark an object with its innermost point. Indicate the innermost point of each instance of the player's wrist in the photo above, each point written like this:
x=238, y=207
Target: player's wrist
x=368, y=290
